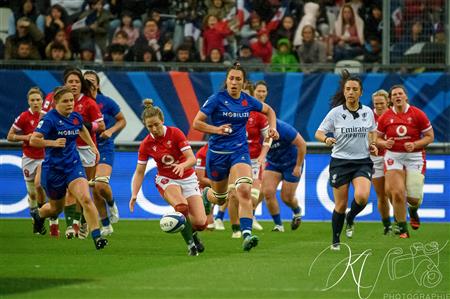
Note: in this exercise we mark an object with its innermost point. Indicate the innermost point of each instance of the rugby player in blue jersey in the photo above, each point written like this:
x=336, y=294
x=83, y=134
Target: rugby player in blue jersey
x=284, y=163
x=62, y=169
x=228, y=153
x=114, y=122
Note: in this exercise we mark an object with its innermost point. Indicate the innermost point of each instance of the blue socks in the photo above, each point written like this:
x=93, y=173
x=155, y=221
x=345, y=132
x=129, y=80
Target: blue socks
x=277, y=219
x=246, y=226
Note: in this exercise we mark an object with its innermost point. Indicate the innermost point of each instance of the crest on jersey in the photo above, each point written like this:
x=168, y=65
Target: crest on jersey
x=75, y=121
x=244, y=103
x=169, y=143
x=154, y=148
x=401, y=130
x=344, y=116
x=32, y=122
x=392, y=120
x=80, y=107
x=226, y=102
x=60, y=122
x=409, y=119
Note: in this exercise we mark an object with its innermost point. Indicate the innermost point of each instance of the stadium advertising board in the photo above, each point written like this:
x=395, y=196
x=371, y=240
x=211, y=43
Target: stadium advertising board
x=314, y=193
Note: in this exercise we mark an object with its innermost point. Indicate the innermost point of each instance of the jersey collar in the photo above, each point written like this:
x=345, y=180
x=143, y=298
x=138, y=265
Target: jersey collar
x=79, y=98
x=406, y=110
x=164, y=133
x=355, y=114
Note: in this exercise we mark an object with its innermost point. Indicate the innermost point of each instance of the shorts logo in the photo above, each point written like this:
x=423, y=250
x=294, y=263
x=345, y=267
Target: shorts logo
x=401, y=130
x=164, y=181
x=390, y=162
x=333, y=178
x=26, y=172
x=214, y=173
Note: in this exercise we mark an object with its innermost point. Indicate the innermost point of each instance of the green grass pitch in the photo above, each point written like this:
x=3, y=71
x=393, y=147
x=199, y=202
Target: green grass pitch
x=143, y=262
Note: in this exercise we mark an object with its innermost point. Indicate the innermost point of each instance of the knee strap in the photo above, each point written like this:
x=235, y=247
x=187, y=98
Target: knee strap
x=183, y=209
x=31, y=188
x=199, y=228
x=231, y=187
x=255, y=193
x=414, y=185
x=221, y=197
x=243, y=180
x=102, y=179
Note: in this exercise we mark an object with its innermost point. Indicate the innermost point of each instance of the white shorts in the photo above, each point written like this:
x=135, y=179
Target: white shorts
x=405, y=161
x=29, y=167
x=189, y=186
x=256, y=169
x=87, y=156
x=378, y=166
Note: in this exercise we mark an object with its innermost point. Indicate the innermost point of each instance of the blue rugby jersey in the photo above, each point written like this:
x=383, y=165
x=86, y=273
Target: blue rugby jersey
x=223, y=109
x=109, y=109
x=54, y=126
x=282, y=152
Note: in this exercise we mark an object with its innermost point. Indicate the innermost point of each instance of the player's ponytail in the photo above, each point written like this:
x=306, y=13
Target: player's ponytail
x=150, y=110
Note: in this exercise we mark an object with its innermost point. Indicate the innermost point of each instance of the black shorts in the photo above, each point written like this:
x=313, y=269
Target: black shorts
x=343, y=171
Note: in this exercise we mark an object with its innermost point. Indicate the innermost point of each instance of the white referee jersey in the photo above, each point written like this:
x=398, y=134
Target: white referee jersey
x=350, y=130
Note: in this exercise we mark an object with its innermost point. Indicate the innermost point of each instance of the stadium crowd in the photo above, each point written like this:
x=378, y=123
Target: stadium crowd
x=286, y=34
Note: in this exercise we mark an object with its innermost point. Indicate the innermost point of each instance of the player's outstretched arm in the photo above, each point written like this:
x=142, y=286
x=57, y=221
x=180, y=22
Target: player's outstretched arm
x=136, y=184
x=13, y=136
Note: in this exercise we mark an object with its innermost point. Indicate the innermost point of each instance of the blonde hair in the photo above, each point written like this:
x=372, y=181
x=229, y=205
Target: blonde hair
x=150, y=110
x=59, y=91
x=35, y=90
x=382, y=93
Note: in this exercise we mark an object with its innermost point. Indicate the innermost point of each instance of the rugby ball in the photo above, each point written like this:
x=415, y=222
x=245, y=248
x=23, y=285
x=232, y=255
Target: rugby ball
x=172, y=222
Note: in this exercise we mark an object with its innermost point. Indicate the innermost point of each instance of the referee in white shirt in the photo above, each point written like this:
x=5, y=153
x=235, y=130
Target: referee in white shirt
x=353, y=129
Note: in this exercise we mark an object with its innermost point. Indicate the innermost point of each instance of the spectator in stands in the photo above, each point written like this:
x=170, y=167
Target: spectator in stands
x=26, y=31
x=72, y=7
x=55, y=21
x=2, y=49
x=87, y=52
x=215, y=57
x=59, y=38
x=262, y=47
x=126, y=24
x=116, y=53
x=372, y=50
x=168, y=52
x=413, y=36
x=311, y=51
x=348, y=35
x=219, y=8
x=24, y=51
x=183, y=56
x=26, y=9
x=246, y=56
x=311, y=10
x=214, y=32
x=372, y=26
x=151, y=37
x=249, y=32
x=283, y=60
x=95, y=32
x=145, y=54
x=57, y=52
x=286, y=30
x=121, y=38
x=190, y=42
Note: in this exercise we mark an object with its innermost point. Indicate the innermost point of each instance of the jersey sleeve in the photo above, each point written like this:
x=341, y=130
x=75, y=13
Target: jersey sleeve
x=210, y=105
x=327, y=124
x=424, y=123
x=44, y=127
x=181, y=140
x=263, y=124
x=142, y=153
x=373, y=123
x=288, y=132
x=47, y=105
x=201, y=160
x=114, y=108
x=18, y=123
x=381, y=124
x=257, y=105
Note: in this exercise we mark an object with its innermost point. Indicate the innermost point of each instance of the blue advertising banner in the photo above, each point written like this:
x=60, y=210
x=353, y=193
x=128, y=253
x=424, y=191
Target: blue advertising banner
x=313, y=193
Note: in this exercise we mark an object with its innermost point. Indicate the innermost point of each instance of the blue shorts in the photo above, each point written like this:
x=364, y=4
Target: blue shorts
x=218, y=165
x=55, y=182
x=106, y=155
x=286, y=172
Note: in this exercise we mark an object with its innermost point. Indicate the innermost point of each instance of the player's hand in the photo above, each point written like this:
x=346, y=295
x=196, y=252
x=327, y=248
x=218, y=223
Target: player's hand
x=224, y=129
x=178, y=169
x=389, y=143
x=297, y=171
x=97, y=154
x=273, y=133
x=373, y=150
x=330, y=141
x=60, y=142
x=29, y=136
x=409, y=146
x=131, y=204
x=106, y=134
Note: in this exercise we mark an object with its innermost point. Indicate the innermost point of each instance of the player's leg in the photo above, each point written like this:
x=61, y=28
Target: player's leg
x=256, y=191
x=233, y=209
x=340, y=194
x=173, y=195
x=79, y=188
x=218, y=220
x=90, y=174
x=415, y=180
x=103, y=196
x=395, y=188
x=361, y=186
x=198, y=219
x=288, y=191
x=383, y=203
x=270, y=182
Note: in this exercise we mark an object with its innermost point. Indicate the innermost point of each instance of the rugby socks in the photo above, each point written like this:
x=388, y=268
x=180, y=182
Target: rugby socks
x=110, y=203
x=95, y=234
x=32, y=203
x=77, y=216
x=354, y=210
x=220, y=215
x=53, y=220
x=235, y=227
x=105, y=221
x=296, y=211
x=246, y=226
x=403, y=228
x=277, y=219
x=69, y=214
x=386, y=222
x=337, y=223
x=82, y=219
